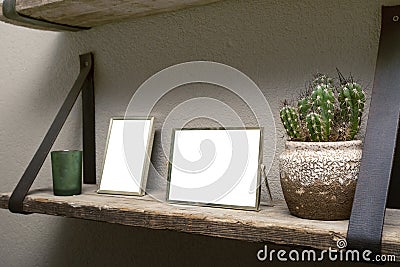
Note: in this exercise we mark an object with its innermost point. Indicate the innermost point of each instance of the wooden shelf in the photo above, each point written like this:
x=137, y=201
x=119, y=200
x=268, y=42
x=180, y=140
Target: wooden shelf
x=271, y=224
x=88, y=13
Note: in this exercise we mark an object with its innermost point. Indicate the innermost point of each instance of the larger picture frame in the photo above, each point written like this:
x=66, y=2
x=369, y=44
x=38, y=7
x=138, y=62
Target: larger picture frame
x=219, y=167
x=127, y=156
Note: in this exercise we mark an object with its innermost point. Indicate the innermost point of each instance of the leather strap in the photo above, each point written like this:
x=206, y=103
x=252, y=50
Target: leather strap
x=83, y=82
x=367, y=217
x=10, y=12
x=394, y=187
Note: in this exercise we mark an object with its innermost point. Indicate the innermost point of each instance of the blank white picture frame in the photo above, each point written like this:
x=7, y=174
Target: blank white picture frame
x=218, y=167
x=127, y=156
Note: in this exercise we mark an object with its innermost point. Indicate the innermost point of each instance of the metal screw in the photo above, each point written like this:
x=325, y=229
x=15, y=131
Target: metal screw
x=395, y=18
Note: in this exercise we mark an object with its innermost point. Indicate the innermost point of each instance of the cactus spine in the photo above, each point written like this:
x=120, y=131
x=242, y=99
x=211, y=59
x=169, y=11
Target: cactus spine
x=351, y=101
x=314, y=127
x=322, y=79
x=290, y=120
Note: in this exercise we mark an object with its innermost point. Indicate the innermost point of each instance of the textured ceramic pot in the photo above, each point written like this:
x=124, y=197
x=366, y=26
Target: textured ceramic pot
x=319, y=178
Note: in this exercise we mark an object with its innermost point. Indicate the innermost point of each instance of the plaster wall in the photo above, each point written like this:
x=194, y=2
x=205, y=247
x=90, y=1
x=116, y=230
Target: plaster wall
x=278, y=44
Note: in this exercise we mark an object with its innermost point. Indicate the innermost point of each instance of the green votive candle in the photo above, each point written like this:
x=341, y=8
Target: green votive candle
x=67, y=172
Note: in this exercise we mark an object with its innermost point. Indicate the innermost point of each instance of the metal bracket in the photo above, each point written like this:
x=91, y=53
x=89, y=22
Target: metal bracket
x=10, y=12
x=368, y=213
x=83, y=83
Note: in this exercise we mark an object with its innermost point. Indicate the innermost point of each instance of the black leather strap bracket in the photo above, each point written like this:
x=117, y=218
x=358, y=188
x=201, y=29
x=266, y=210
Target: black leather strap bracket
x=367, y=217
x=83, y=83
x=394, y=187
x=10, y=12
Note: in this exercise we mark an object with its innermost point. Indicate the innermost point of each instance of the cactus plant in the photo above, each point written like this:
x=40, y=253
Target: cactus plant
x=325, y=112
x=322, y=79
x=314, y=123
x=323, y=102
x=351, y=100
x=303, y=106
x=290, y=120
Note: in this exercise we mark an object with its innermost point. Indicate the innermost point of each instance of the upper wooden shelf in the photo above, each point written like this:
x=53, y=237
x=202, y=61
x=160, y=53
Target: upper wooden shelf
x=270, y=224
x=88, y=13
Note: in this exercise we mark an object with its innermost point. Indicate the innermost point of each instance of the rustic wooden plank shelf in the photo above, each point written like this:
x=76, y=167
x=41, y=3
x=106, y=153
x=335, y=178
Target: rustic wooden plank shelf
x=270, y=224
x=87, y=13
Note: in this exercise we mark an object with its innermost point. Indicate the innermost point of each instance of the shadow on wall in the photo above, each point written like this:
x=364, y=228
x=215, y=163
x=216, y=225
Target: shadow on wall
x=83, y=243
x=87, y=243
x=36, y=78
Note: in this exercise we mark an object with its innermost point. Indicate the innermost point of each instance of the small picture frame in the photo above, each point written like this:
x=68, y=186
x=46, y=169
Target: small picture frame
x=218, y=167
x=127, y=156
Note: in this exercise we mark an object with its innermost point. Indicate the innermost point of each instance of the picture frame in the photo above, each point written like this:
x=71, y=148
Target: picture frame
x=188, y=179
x=127, y=156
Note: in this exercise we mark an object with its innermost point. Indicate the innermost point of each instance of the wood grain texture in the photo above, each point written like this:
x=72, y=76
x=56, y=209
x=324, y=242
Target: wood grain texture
x=271, y=224
x=89, y=13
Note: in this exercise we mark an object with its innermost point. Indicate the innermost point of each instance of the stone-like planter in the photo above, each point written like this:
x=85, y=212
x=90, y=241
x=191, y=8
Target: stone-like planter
x=319, y=178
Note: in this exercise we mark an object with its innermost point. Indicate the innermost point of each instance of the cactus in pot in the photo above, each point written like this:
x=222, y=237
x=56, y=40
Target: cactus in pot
x=335, y=108
x=319, y=167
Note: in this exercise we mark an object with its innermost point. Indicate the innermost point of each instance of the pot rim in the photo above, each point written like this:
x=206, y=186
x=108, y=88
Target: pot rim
x=323, y=145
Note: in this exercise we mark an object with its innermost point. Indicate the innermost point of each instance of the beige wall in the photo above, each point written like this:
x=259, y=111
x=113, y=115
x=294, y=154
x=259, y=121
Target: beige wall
x=278, y=44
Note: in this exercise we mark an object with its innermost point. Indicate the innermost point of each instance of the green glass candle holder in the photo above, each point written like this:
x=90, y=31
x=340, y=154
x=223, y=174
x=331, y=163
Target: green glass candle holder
x=67, y=172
